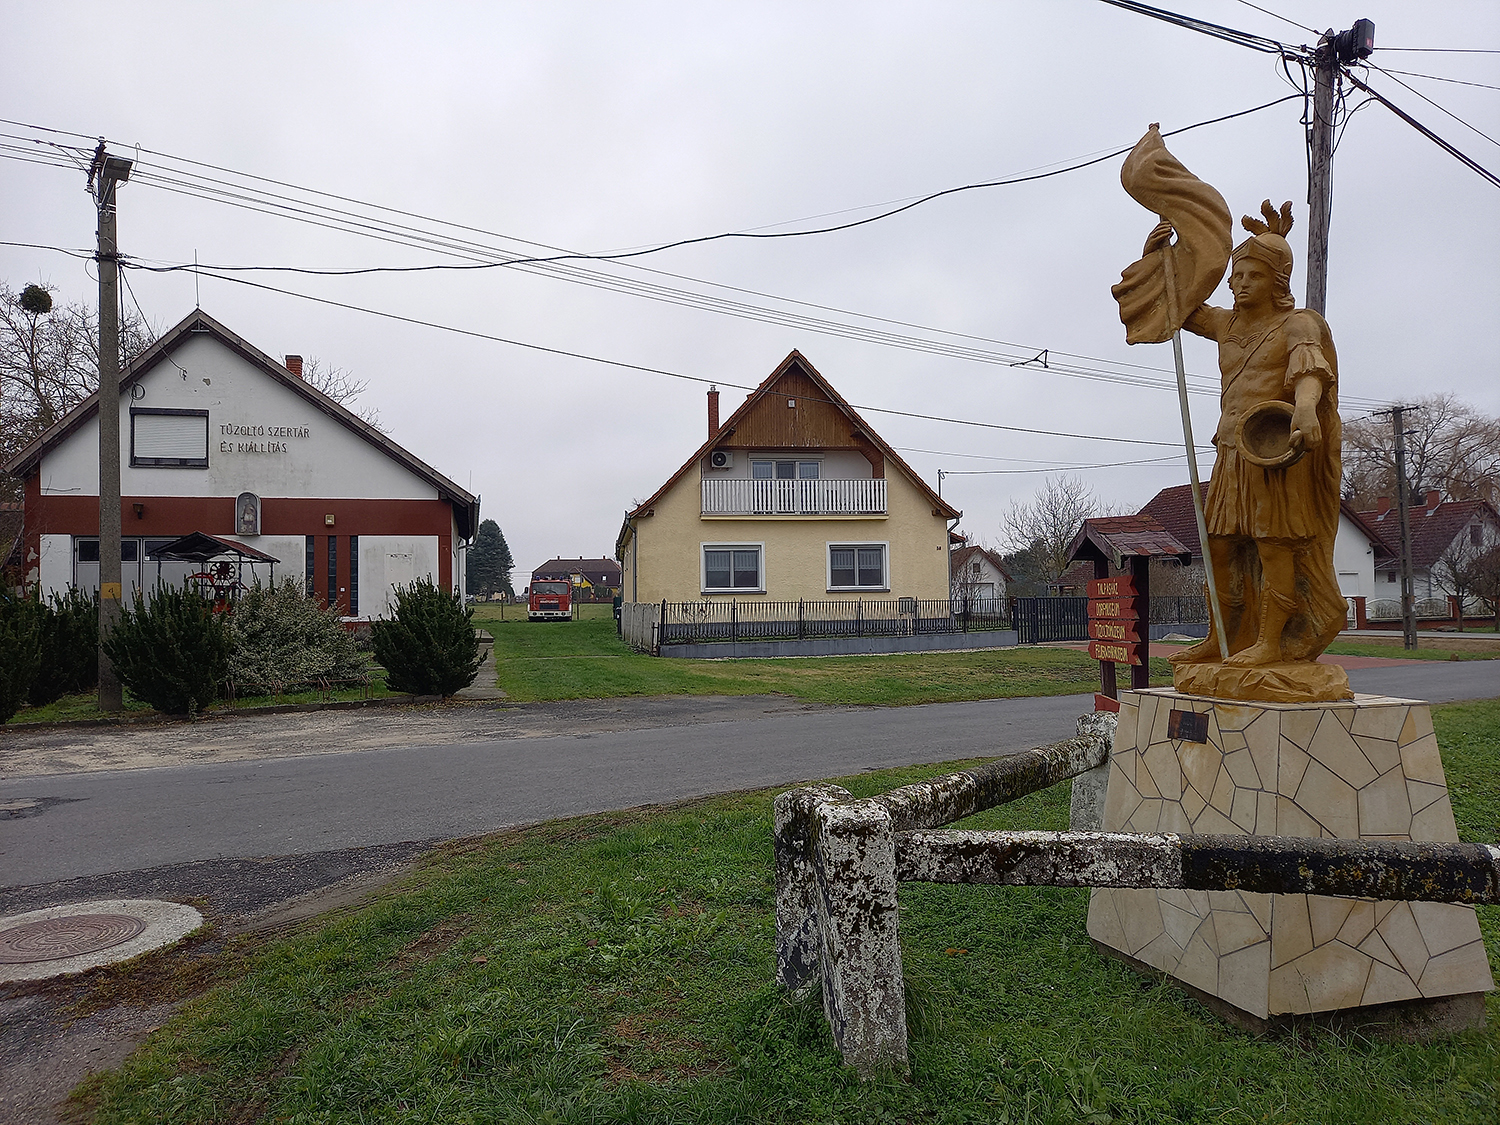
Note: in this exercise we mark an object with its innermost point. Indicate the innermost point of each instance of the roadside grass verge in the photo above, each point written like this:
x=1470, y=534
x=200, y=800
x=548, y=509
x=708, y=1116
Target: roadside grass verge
x=1425, y=650
x=618, y=968
x=85, y=705
x=586, y=660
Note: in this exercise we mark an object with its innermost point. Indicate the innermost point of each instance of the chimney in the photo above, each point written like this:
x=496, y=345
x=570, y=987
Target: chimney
x=1382, y=506
x=713, y=411
x=1434, y=498
x=294, y=365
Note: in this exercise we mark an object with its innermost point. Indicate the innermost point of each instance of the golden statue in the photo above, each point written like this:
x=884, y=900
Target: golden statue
x=1272, y=510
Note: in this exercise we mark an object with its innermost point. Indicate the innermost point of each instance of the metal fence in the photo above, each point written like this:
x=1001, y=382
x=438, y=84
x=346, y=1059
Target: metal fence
x=734, y=620
x=1051, y=619
x=1173, y=609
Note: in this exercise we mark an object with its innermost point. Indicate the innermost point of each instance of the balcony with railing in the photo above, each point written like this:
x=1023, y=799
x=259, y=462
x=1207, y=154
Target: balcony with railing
x=736, y=496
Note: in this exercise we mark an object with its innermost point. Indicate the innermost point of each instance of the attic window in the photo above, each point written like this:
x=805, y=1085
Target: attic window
x=165, y=438
x=791, y=403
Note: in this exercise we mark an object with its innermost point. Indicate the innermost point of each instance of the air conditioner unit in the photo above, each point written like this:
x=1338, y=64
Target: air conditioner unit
x=721, y=459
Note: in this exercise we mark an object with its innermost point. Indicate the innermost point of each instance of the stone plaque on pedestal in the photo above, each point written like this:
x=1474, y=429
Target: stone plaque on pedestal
x=1367, y=768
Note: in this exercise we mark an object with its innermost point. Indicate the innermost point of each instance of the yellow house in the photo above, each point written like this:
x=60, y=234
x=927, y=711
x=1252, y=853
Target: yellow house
x=793, y=497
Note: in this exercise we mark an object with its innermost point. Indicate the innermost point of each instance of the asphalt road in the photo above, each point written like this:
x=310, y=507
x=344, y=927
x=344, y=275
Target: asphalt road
x=120, y=820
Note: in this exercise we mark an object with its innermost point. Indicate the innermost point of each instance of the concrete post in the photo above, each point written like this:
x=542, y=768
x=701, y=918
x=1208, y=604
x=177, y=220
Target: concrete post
x=864, y=994
x=797, y=936
x=1086, y=813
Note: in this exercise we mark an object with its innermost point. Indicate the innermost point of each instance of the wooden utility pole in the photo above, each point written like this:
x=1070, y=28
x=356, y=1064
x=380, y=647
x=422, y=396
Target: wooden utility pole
x=1403, y=513
x=105, y=175
x=1320, y=173
x=1334, y=50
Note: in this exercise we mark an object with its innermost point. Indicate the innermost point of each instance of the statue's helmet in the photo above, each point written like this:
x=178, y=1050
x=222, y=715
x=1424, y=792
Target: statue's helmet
x=1267, y=243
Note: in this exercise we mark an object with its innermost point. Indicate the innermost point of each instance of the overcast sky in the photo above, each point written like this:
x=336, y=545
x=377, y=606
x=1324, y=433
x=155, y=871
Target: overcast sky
x=599, y=127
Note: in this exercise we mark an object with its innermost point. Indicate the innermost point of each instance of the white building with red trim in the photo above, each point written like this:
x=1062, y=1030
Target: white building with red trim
x=217, y=437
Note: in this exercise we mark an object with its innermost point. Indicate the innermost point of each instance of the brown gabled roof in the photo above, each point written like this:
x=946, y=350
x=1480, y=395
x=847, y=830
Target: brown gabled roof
x=794, y=360
x=957, y=558
x=1432, y=529
x=1173, y=509
x=1115, y=538
x=606, y=571
x=198, y=321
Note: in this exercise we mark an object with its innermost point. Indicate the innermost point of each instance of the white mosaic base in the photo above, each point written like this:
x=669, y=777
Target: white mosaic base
x=1363, y=769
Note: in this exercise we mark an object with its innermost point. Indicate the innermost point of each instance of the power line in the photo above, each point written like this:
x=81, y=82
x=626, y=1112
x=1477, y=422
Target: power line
x=1434, y=104
x=1445, y=50
x=1452, y=150
x=1204, y=27
x=1283, y=19
x=474, y=333
x=1438, y=78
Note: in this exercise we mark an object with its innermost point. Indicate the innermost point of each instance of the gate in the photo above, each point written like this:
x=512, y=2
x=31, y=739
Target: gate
x=1051, y=619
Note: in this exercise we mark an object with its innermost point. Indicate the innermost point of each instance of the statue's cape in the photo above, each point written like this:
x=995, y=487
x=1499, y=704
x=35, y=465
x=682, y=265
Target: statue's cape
x=1156, y=180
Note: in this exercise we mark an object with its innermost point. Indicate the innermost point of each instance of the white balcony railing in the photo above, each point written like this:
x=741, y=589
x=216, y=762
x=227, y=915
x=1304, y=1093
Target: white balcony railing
x=727, y=496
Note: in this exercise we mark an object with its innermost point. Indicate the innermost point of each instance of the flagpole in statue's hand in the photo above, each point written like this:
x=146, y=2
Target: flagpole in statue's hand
x=1175, y=319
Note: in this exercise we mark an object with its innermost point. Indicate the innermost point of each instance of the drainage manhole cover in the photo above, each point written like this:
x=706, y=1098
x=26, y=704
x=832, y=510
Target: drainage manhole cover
x=53, y=939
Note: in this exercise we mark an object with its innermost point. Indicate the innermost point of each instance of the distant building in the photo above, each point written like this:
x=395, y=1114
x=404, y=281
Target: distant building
x=593, y=580
x=977, y=579
x=218, y=438
x=1456, y=529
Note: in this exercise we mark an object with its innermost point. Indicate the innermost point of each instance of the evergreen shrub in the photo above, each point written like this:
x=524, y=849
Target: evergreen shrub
x=20, y=650
x=171, y=651
x=279, y=636
x=70, y=647
x=429, y=646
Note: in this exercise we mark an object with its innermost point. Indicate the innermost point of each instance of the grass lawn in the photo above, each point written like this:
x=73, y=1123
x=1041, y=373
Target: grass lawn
x=1455, y=649
x=618, y=968
x=85, y=705
x=586, y=660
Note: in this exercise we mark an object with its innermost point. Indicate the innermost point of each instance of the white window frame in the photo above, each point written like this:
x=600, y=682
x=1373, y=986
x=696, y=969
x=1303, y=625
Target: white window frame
x=142, y=462
x=885, y=549
x=760, y=555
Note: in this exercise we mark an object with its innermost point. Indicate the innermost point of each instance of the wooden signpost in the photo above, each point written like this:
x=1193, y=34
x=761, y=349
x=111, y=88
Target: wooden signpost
x=1114, y=618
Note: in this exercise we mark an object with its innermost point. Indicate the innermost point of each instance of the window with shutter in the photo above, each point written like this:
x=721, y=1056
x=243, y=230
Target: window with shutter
x=175, y=439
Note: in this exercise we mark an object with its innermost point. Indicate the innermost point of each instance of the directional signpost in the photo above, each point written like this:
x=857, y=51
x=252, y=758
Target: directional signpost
x=1114, y=632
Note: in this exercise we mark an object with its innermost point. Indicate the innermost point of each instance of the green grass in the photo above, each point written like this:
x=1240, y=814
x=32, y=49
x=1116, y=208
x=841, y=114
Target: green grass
x=1490, y=651
x=585, y=660
x=85, y=705
x=618, y=968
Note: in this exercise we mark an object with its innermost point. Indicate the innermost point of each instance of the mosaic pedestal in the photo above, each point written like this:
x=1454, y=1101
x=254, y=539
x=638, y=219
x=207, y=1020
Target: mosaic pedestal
x=1367, y=768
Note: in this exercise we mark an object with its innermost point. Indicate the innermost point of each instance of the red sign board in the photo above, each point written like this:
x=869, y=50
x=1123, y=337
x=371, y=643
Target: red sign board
x=1121, y=586
x=1121, y=630
x=1122, y=609
x=1114, y=652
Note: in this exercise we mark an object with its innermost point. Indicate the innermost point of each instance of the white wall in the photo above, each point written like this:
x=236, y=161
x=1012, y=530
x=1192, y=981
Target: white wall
x=392, y=560
x=331, y=461
x=55, y=570
x=1354, y=561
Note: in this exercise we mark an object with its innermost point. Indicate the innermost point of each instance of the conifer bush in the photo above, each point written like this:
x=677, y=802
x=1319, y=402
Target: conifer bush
x=171, y=651
x=429, y=646
x=279, y=635
x=70, y=647
x=20, y=650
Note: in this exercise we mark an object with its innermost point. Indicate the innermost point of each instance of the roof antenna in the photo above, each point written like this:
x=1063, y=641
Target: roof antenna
x=197, y=295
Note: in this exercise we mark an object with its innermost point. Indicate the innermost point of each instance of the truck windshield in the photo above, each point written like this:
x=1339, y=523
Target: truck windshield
x=549, y=587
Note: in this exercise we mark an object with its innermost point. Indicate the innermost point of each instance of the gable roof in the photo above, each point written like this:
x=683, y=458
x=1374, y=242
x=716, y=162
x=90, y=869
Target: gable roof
x=1173, y=509
x=794, y=361
x=1432, y=529
x=595, y=570
x=466, y=506
x=960, y=556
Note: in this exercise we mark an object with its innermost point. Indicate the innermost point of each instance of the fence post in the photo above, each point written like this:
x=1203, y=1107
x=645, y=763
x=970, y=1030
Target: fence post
x=859, y=618
x=800, y=624
x=734, y=622
x=797, y=933
x=859, y=955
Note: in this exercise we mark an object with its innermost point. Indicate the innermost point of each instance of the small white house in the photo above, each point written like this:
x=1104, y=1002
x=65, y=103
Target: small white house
x=977, y=579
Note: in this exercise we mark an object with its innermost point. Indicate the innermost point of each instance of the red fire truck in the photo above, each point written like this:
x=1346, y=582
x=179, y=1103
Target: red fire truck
x=550, y=601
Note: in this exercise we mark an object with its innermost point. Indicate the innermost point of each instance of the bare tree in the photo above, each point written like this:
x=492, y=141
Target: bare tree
x=1484, y=577
x=341, y=386
x=49, y=363
x=1464, y=568
x=1450, y=447
x=1044, y=527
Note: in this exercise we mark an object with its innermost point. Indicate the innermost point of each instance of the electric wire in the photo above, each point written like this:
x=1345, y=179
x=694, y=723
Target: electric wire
x=476, y=334
x=1283, y=19
x=1204, y=27
x=1435, y=105
x=1439, y=78
x=1447, y=147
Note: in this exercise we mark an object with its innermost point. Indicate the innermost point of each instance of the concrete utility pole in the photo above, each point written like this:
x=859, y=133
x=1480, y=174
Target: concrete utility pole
x=105, y=175
x=1403, y=512
x=1334, y=50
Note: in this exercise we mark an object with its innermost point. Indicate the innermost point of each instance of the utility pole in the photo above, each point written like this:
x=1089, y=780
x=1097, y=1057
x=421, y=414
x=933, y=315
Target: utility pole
x=106, y=173
x=1403, y=512
x=1334, y=50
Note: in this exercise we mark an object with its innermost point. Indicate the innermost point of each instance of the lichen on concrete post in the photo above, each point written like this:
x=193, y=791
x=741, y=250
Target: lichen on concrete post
x=1089, y=789
x=797, y=937
x=854, y=862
